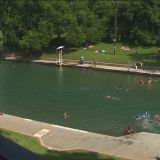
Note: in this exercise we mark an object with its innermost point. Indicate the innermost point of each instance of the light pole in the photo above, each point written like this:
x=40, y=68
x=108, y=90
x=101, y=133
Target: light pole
x=115, y=25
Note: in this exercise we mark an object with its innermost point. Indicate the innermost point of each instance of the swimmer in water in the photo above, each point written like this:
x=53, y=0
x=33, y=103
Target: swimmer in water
x=141, y=82
x=157, y=118
x=129, y=131
x=149, y=81
x=138, y=117
x=65, y=115
x=119, y=87
x=109, y=97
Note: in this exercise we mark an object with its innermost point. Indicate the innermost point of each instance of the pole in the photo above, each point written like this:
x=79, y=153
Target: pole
x=60, y=57
x=115, y=27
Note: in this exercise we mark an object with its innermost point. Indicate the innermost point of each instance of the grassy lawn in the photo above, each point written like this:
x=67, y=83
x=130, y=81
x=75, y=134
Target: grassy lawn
x=122, y=56
x=34, y=145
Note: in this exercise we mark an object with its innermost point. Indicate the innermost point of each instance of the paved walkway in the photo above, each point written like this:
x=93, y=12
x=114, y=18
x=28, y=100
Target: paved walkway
x=101, y=66
x=104, y=67
x=141, y=146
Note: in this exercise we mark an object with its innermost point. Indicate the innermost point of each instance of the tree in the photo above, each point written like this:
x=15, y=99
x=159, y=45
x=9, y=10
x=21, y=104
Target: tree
x=34, y=25
x=86, y=24
x=105, y=13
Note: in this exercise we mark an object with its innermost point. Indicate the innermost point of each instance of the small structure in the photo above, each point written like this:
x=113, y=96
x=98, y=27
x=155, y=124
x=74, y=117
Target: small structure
x=60, y=51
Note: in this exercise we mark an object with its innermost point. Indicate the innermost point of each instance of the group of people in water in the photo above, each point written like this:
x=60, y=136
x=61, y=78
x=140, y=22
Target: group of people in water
x=145, y=117
x=146, y=121
x=128, y=131
x=149, y=81
x=142, y=116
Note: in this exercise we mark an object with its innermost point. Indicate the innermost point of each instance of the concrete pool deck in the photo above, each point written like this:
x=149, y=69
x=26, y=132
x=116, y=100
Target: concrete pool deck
x=99, y=66
x=140, y=146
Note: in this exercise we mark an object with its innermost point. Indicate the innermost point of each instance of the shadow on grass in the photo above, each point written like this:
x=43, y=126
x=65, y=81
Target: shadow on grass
x=130, y=44
x=149, y=60
x=3, y=132
x=34, y=146
x=30, y=54
x=76, y=155
x=12, y=150
x=69, y=50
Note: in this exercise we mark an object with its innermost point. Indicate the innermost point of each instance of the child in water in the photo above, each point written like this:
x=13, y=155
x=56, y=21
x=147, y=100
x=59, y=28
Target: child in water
x=65, y=115
x=128, y=131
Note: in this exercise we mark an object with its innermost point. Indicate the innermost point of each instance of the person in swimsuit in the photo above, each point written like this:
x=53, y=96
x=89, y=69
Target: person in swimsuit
x=65, y=115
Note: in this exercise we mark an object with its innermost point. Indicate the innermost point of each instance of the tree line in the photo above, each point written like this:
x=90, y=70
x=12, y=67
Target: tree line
x=38, y=24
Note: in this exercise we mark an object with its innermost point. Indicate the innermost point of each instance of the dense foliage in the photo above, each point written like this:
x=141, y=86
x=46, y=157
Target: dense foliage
x=38, y=24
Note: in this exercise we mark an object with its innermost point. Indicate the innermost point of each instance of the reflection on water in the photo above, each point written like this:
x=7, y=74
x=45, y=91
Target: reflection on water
x=60, y=75
x=84, y=88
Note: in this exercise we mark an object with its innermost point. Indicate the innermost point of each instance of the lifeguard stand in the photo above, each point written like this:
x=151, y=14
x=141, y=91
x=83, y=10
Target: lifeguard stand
x=60, y=51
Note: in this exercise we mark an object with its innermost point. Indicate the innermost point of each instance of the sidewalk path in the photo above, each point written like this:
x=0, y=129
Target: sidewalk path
x=102, y=66
x=141, y=146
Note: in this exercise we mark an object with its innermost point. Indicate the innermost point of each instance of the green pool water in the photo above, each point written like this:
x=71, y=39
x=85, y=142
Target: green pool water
x=43, y=93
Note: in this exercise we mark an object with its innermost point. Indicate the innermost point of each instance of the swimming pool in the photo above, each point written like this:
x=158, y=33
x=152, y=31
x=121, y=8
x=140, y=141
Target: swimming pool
x=43, y=93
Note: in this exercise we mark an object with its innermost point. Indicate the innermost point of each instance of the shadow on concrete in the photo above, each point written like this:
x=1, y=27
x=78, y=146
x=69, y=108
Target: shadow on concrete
x=9, y=150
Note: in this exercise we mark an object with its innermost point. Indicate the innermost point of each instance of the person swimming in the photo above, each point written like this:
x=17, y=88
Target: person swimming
x=149, y=81
x=138, y=117
x=119, y=87
x=109, y=97
x=129, y=131
x=141, y=82
x=157, y=118
x=145, y=115
x=65, y=115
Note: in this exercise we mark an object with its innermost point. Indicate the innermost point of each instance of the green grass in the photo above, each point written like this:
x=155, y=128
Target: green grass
x=121, y=56
x=34, y=145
